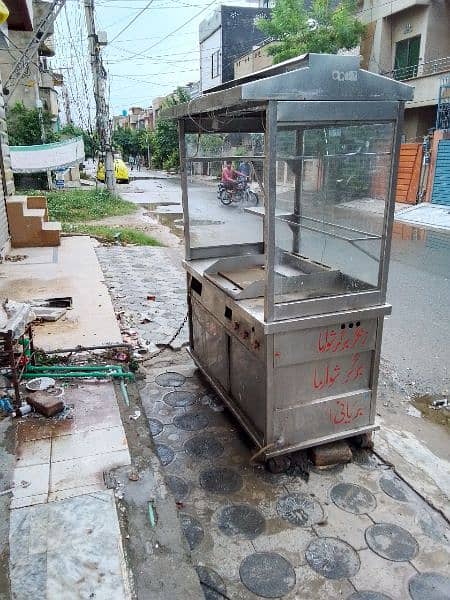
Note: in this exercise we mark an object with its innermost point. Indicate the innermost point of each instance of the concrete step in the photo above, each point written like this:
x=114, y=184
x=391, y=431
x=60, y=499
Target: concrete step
x=28, y=222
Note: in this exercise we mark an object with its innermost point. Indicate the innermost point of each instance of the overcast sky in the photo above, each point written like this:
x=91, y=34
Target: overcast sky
x=158, y=52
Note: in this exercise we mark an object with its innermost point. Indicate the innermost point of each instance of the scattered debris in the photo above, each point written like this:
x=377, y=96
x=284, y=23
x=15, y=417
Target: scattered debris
x=15, y=257
x=133, y=476
x=65, y=302
x=23, y=410
x=438, y=404
x=152, y=513
x=136, y=415
x=44, y=313
x=40, y=384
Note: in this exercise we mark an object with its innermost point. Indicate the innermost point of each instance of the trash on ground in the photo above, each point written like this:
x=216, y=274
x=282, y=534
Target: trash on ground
x=22, y=411
x=438, y=404
x=40, y=384
x=136, y=415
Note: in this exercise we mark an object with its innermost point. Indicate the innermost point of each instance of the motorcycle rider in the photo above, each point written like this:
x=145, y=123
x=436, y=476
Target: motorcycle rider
x=230, y=175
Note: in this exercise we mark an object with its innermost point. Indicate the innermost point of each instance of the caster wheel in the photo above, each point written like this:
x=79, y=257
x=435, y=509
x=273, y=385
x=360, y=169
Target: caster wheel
x=278, y=464
x=365, y=441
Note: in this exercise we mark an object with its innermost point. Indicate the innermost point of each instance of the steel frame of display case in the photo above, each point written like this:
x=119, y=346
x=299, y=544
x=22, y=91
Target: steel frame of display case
x=271, y=363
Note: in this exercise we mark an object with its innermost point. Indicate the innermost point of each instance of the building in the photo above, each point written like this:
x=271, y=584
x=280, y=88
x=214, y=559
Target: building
x=229, y=33
x=36, y=89
x=137, y=118
x=257, y=59
x=20, y=20
x=409, y=40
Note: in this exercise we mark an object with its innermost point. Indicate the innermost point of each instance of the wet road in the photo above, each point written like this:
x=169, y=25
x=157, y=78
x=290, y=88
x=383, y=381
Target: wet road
x=416, y=339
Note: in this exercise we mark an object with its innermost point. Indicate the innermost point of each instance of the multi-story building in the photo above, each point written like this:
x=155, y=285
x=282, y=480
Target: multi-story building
x=410, y=41
x=37, y=87
x=137, y=118
x=228, y=33
x=20, y=19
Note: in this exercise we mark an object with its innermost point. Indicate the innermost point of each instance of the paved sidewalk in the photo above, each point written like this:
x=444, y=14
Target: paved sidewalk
x=342, y=534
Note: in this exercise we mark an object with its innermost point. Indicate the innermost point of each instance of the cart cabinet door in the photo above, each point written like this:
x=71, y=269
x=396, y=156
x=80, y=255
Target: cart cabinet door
x=324, y=380
x=210, y=343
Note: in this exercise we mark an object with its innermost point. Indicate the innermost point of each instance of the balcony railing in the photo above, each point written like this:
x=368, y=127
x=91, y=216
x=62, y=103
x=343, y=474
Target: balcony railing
x=432, y=67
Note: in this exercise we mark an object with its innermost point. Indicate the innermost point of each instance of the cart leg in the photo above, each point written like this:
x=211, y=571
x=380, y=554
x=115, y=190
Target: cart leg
x=278, y=464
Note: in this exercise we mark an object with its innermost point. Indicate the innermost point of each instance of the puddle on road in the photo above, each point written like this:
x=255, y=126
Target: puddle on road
x=174, y=219
x=424, y=404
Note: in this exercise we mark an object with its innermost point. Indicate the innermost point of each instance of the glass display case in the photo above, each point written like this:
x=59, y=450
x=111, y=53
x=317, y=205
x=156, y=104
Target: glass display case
x=287, y=180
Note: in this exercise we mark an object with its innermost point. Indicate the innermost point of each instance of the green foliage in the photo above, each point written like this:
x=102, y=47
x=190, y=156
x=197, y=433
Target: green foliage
x=75, y=206
x=164, y=141
x=291, y=26
x=70, y=131
x=125, y=140
x=24, y=126
x=121, y=235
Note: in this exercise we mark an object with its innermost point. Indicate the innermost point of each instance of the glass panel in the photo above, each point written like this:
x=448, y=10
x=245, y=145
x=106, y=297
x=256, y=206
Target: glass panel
x=332, y=188
x=224, y=180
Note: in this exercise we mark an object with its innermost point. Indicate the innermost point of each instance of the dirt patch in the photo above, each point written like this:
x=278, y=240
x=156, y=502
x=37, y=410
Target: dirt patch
x=440, y=415
x=141, y=220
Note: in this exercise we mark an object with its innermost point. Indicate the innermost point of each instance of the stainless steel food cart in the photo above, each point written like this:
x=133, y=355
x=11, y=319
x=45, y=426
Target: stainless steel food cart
x=287, y=299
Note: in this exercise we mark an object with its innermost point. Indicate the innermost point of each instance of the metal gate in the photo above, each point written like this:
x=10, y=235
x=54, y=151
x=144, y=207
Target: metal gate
x=410, y=164
x=441, y=183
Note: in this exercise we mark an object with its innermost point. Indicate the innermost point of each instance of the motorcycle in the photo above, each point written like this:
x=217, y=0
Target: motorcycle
x=242, y=193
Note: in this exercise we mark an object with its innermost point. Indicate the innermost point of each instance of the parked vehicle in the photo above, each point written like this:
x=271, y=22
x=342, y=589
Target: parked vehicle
x=120, y=171
x=241, y=194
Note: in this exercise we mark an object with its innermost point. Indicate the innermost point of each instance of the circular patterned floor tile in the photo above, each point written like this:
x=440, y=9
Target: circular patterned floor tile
x=353, y=498
x=204, y=446
x=192, y=530
x=170, y=379
x=433, y=526
x=394, y=487
x=212, y=584
x=368, y=596
x=193, y=421
x=429, y=586
x=155, y=427
x=332, y=558
x=165, y=454
x=221, y=480
x=391, y=541
x=180, y=399
x=267, y=574
x=300, y=509
x=241, y=520
x=178, y=487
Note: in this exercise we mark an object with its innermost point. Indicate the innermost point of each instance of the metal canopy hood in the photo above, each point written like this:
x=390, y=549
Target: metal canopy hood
x=323, y=77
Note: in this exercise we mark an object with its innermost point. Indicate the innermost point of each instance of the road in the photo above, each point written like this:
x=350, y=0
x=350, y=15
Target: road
x=416, y=338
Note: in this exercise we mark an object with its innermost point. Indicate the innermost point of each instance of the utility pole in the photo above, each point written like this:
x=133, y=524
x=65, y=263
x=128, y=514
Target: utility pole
x=102, y=112
x=65, y=94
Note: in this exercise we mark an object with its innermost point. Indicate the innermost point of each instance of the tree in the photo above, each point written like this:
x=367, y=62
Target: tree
x=24, y=126
x=324, y=28
x=70, y=131
x=124, y=138
x=164, y=141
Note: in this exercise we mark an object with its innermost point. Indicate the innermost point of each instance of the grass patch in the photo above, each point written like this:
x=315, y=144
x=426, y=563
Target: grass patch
x=103, y=233
x=78, y=206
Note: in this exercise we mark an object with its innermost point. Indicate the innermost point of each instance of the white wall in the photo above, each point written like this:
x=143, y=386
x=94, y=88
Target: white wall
x=207, y=49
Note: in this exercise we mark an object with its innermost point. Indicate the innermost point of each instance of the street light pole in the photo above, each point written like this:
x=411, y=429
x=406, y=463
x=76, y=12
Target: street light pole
x=102, y=116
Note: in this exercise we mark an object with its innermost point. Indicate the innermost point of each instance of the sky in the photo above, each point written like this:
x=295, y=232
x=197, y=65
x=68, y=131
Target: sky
x=155, y=54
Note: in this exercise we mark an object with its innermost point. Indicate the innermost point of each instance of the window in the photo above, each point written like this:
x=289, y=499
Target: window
x=215, y=64
x=407, y=58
